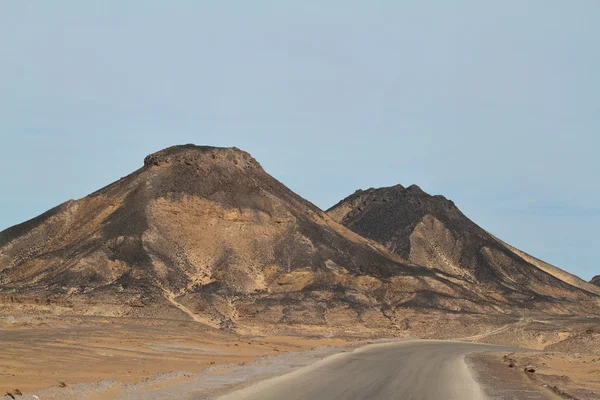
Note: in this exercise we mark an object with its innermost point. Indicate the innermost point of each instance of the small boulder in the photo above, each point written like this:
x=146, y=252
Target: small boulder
x=530, y=369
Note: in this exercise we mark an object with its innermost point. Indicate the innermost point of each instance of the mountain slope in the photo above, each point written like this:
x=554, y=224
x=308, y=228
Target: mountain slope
x=595, y=280
x=432, y=231
x=554, y=271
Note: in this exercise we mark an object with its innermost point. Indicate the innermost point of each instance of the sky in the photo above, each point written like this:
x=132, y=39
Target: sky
x=495, y=105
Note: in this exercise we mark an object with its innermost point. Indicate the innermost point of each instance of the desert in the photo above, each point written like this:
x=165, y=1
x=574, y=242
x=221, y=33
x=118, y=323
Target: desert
x=200, y=275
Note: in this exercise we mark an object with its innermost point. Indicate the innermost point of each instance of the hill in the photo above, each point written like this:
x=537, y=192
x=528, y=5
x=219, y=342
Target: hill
x=431, y=231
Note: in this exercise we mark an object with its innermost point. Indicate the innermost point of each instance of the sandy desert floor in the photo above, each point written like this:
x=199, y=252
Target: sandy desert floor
x=39, y=352
x=102, y=357
x=574, y=375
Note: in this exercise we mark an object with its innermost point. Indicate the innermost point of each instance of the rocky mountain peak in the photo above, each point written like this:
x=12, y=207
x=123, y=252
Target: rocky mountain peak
x=398, y=199
x=191, y=154
x=416, y=189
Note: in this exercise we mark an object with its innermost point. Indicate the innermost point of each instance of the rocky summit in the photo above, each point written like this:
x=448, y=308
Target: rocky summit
x=595, y=280
x=204, y=233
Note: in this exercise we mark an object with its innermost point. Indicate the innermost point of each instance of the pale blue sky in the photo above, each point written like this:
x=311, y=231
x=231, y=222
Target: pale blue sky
x=496, y=105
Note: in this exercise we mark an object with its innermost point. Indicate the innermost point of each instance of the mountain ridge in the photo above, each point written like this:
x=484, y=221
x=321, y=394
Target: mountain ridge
x=204, y=233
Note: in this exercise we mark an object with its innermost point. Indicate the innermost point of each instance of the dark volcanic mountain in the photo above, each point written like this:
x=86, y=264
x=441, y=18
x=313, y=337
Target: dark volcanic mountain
x=431, y=231
x=206, y=233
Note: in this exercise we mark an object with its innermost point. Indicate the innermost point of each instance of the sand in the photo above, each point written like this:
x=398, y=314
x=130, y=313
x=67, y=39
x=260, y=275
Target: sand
x=40, y=352
x=575, y=375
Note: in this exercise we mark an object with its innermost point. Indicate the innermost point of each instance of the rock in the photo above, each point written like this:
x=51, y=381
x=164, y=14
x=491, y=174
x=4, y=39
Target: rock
x=530, y=369
x=511, y=362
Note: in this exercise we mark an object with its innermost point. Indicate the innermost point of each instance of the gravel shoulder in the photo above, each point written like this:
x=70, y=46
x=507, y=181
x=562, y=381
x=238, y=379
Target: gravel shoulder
x=499, y=382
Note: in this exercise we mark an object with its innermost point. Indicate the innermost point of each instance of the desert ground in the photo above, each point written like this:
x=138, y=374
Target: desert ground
x=41, y=352
x=56, y=357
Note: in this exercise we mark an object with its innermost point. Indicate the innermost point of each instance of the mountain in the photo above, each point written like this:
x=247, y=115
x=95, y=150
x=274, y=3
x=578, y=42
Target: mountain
x=205, y=233
x=431, y=231
x=596, y=280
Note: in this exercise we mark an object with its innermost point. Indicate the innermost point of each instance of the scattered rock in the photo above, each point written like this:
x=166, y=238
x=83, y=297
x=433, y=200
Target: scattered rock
x=530, y=369
x=62, y=384
x=18, y=392
x=511, y=362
